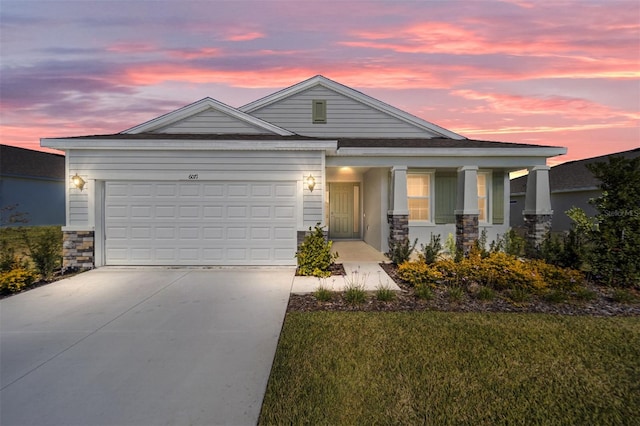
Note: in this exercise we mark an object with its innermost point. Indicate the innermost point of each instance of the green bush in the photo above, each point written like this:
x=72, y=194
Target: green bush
x=314, y=254
x=385, y=294
x=431, y=251
x=424, y=292
x=355, y=294
x=323, y=294
x=45, y=250
x=16, y=280
x=401, y=251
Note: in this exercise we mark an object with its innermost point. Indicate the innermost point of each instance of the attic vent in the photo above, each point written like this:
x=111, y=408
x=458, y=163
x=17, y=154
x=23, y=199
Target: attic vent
x=319, y=111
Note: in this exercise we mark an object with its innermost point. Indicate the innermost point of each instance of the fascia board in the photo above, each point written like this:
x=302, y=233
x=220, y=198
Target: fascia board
x=453, y=152
x=202, y=105
x=354, y=94
x=181, y=144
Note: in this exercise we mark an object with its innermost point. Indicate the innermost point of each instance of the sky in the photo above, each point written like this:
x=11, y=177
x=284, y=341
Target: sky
x=547, y=72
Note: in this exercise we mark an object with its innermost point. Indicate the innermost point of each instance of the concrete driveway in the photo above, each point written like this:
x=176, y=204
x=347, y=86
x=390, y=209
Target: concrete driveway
x=142, y=346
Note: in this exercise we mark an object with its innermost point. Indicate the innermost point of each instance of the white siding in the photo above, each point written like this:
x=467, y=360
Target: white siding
x=111, y=165
x=211, y=121
x=346, y=117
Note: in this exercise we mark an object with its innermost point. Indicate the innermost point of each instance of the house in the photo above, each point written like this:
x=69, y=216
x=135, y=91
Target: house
x=32, y=183
x=209, y=184
x=571, y=185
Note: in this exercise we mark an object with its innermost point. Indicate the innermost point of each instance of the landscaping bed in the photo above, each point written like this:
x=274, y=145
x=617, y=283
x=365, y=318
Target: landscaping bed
x=602, y=301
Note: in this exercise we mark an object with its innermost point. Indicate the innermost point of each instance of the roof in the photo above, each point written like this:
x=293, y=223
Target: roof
x=21, y=162
x=572, y=175
x=320, y=80
x=202, y=105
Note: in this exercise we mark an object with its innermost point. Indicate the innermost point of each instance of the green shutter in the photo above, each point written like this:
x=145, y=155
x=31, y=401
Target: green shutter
x=497, y=202
x=445, y=197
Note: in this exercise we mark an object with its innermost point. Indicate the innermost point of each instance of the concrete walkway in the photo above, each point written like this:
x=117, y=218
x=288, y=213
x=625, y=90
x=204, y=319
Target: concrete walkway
x=369, y=275
x=142, y=346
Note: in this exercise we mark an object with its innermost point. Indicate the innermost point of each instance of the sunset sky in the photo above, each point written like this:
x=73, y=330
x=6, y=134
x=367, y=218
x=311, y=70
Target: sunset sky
x=563, y=73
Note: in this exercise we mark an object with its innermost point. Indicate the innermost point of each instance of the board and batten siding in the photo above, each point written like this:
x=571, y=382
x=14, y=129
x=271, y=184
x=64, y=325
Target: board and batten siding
x=211, y=121
x=138, y=165
x=346, y=117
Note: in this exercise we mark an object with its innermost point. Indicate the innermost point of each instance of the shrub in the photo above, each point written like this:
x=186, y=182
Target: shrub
x=323, y=294
x=455, y=294
x=558, y=278
x=622, y=295
x=8, y=258
x=419, y=273
x=556, y=296
x=401, y=251
x=431, y=251
x=45, y=250
x=314, y=254
x=485, y=293
x=424, y=292
x=385, y=294
x=585, y=294
x=519, y=295
x=16, y=280
x=355, y=294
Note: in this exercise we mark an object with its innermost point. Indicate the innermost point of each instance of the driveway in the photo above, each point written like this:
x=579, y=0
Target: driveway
x=142, y=346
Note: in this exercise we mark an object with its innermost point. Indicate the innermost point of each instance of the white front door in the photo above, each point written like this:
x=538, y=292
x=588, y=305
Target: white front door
x=200, y=223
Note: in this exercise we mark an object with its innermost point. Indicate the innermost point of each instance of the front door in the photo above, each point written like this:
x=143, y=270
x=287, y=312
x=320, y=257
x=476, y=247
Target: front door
x=344, y=211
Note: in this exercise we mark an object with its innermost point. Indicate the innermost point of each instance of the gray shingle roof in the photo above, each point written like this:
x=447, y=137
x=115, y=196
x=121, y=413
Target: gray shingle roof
x=572, y=175
x=23, y=162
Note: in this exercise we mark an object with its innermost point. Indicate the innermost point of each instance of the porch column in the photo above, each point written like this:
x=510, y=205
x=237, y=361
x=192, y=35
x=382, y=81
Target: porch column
x=398, y=215
x=537, y=205
x=467, y=211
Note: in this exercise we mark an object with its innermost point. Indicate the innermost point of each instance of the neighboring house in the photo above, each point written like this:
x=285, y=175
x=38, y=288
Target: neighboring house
x=571, y=185
x=209, y=184
x=32, y=183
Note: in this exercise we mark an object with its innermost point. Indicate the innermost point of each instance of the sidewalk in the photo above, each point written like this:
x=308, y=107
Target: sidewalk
x=369, y=274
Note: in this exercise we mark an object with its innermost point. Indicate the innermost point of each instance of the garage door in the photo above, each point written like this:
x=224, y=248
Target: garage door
x=200, y=223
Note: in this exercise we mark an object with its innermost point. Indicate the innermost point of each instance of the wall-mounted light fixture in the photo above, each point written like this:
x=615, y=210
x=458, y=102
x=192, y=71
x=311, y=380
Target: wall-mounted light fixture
x=311, y=182
x=78, y=182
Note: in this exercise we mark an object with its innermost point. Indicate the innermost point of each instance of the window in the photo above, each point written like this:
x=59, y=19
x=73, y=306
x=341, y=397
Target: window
x=419, y=196
x=483, y=196
x=319, y=111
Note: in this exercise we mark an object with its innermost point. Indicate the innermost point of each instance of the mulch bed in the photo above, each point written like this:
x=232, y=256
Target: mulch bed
x=406, y=300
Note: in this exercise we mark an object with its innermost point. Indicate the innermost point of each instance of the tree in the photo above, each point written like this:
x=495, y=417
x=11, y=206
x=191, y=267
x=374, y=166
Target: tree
x=615, y=257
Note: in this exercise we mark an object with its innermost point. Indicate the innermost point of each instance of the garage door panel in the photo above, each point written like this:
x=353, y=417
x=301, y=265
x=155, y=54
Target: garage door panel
x=200, y=223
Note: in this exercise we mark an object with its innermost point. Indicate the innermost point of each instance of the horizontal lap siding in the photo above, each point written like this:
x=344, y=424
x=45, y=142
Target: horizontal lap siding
x=108, y=165
x=345, y=117
x=211, y=121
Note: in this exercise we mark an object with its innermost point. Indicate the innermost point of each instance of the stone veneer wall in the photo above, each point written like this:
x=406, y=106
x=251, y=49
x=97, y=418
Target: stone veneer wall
x=466, y=231
x=78, y=249
x=398, y=228
x=537, y=226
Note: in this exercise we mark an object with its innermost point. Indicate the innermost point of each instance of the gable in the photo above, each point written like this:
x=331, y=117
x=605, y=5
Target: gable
x=212, y=121
x=207, y=116
x=349, y=113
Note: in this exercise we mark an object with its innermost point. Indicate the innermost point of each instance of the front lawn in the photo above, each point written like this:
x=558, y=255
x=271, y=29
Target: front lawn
x=454, y=368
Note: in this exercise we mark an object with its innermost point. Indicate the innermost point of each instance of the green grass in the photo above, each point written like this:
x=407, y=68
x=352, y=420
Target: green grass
x=453, y=368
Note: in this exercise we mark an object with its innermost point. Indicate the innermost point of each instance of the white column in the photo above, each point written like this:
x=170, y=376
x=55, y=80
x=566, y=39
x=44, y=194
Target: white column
x=538, y=196
x=400, y=203
x=467, y=202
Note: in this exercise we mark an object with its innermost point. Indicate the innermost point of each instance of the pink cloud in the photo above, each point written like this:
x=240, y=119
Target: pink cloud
x=248, y=36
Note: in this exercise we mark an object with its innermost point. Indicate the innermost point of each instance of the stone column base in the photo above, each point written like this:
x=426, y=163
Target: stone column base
x=398, y=228
x=466, y=231
x=537, y=226
x=78, y=250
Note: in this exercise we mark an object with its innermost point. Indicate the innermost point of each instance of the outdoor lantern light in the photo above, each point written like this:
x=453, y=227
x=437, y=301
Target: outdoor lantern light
x=78, y=182
x=311, y=182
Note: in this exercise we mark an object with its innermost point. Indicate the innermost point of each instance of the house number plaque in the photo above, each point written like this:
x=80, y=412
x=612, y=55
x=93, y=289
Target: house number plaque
x=193, y=177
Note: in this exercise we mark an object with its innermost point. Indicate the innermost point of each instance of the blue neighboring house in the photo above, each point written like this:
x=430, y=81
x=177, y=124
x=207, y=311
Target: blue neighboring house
x=32, y=182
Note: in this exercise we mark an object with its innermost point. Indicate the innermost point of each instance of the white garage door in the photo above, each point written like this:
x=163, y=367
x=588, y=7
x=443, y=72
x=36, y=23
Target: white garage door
x=200, y=223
